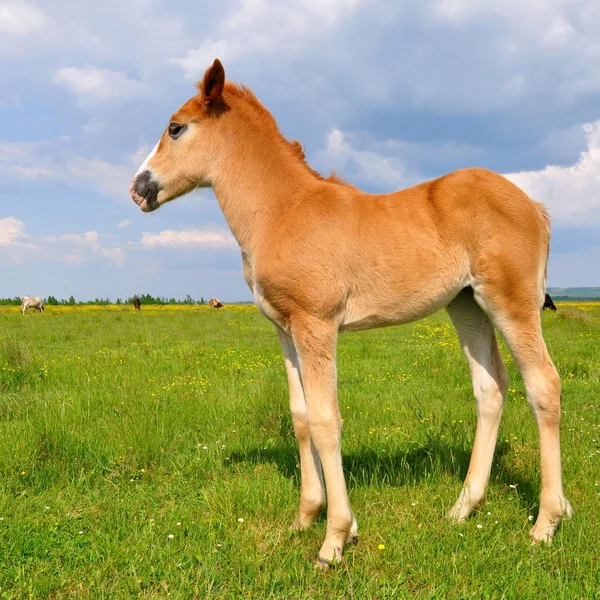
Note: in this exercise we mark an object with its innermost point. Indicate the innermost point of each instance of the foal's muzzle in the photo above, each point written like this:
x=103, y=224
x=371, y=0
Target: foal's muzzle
x=144, y=191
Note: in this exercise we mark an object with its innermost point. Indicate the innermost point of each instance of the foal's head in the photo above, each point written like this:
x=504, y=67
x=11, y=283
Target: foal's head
x=185, y=156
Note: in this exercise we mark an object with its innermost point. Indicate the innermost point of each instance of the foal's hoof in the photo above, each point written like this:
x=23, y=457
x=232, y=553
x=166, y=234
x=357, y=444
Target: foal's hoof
x=462, y=510
x=456, y=516
x=327, y=563
x=543, y=534
x=324, y=564
x=300, y=525
x=545, y=527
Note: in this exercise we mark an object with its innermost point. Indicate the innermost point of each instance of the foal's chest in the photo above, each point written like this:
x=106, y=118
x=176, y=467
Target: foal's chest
x=266, y=308
x=263, y=305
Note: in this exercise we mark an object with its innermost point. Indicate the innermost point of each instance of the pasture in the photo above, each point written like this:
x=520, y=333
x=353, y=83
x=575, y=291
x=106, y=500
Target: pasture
x=151, y=454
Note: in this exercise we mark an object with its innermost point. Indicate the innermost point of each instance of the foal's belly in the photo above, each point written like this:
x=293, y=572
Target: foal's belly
x=370, y=313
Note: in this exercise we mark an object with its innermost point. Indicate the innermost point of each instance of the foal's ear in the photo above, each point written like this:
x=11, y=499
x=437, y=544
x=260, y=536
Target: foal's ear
x=212, y=86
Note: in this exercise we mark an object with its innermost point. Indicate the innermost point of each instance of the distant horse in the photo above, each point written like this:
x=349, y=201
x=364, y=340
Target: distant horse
x=137, y=304
x=548, y=303
x=214, y=303
x=31, y=302
x=321, y=256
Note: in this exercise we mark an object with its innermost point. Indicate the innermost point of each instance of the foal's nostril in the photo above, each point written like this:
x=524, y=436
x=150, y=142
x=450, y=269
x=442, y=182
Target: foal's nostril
x=145, y=187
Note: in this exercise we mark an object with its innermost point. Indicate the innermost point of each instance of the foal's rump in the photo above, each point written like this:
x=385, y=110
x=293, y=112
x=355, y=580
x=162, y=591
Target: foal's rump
x=508, y=238
x=418, y=248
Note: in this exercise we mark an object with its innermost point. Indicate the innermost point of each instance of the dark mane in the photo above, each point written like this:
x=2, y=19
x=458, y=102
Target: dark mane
x=298, y=150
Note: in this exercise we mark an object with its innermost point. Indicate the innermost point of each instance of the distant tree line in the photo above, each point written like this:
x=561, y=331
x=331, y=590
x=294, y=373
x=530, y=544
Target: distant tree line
x=149, y=299
x=144, y=299
x=576, y=298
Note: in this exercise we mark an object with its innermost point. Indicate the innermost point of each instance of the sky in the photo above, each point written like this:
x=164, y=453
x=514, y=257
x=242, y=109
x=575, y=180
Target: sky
x=387, y=93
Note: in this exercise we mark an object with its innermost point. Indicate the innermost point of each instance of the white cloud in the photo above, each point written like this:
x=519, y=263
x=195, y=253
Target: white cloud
x=51, y=161
x=11, y=229
x=105, y=177
x=549, y=20
x=260, y=27
x=21, y=18
x=197, y=60
x=124, y=223
x=112, y=30
x=16, y=152
x=77, y=249
x=210, y=237
x=571, y=193
x=12, y=236
x=70, y=248
x=386, y=171
x=31, y=173
x=94, y=86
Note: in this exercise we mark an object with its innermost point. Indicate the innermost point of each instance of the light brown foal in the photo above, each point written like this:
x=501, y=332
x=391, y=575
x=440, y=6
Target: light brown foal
x=322, y=256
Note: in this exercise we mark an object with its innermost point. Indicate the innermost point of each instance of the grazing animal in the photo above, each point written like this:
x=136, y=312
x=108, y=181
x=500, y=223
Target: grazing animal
x=137, y=304
x=214, y=303
x=322, y=256
x=548, y=303
x=31, y=302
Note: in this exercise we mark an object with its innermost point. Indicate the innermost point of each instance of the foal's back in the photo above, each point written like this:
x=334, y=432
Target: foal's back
x=375, y=260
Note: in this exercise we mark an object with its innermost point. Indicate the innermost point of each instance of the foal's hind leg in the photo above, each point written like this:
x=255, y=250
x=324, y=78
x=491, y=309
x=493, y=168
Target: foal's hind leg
x=490, y=382
x=521, y=328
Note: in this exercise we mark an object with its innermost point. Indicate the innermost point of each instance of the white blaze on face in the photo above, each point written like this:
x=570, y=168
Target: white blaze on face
x=144, y=166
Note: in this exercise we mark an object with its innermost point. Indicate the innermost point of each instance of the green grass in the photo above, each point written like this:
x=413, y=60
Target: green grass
x=132, y=444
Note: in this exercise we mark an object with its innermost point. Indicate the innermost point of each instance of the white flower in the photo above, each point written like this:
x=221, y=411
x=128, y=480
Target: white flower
x=240, y=520
x=170, y=536
x=479, y=526
x=530, y=518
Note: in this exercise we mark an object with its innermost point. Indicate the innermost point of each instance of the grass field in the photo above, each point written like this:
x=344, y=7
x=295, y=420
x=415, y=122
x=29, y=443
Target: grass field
x=151, y=455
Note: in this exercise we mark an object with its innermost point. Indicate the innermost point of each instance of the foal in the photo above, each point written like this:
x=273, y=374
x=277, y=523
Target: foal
x=321, y=256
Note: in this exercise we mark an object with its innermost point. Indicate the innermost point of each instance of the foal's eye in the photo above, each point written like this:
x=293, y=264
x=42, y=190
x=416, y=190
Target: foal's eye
x=175, y=130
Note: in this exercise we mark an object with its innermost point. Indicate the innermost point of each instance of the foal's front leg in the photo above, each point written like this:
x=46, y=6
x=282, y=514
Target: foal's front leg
x=312, y=491
x=315, y=343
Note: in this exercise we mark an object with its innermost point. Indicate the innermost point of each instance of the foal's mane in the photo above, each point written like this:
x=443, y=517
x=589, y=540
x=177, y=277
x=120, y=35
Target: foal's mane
x=234, y=90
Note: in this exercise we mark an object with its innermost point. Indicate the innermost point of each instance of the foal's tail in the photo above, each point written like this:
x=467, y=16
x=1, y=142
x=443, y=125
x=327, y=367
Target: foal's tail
x=543, y=271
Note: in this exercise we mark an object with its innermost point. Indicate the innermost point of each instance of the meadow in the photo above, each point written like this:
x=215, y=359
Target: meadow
x=152, y=455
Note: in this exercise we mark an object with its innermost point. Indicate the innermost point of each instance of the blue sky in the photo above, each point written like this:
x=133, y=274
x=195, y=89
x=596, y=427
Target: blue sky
x=386, y=93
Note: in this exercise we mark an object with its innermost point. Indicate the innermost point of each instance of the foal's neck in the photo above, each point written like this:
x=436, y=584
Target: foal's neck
x=256, y=180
